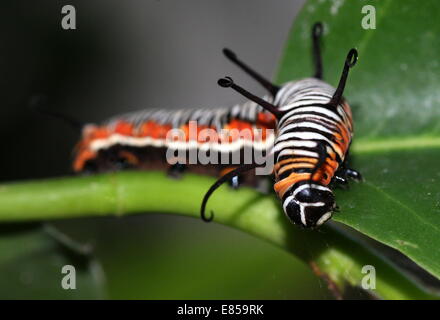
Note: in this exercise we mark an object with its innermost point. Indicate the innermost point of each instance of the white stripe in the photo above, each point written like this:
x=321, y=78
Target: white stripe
x=115, y=139
x=294, y=143
x=301, y=209
x=304, y=135
x=304, y=117
x=304, y=87
x=303, y=215
x=311, y=186
x=310, y=100
x=287, y=201
x=289, y=152
x=324, y=218
x=317, y=109
x=305, y=124
x=313, y=136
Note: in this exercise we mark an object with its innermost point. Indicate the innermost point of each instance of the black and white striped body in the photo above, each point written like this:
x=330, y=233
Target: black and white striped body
x=215, y=117
x=309, y=131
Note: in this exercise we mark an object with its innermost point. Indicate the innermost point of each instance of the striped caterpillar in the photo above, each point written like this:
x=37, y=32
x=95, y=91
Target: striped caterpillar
x=305, y=125
x=139, y=140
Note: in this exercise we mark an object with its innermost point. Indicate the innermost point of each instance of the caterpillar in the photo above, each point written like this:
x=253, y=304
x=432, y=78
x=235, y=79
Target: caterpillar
x=314, y=130
x=139, y=140
x=305, y=125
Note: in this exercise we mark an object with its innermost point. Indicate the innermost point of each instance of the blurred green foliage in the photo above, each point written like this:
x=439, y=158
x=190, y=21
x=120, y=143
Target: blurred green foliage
x=152, y=257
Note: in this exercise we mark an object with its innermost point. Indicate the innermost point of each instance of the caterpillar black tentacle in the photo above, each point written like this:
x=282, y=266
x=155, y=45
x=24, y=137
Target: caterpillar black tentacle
x=273, y=89
x=350, y=61
x=227, y=82
x=40, y=104
x=218, y=183
x=317, y=31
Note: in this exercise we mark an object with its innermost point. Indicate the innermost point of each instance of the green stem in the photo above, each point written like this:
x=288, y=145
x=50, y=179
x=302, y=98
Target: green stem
x=332, y=253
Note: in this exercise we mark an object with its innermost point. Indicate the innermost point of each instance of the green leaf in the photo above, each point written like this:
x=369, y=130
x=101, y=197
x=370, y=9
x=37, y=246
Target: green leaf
x=395, y=97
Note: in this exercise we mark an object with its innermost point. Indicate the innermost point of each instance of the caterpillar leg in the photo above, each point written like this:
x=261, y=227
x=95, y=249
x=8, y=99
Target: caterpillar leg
x=176, y=170
x=344, y=174
x=125, y=160
x=235, y=181
x=339, y=180
x=353, y=174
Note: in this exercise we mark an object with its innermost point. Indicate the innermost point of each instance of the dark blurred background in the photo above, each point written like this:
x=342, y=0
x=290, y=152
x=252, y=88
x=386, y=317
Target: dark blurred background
x=124, y=56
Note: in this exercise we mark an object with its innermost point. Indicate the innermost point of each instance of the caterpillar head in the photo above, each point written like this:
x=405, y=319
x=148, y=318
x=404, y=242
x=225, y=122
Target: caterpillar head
x=309, y=205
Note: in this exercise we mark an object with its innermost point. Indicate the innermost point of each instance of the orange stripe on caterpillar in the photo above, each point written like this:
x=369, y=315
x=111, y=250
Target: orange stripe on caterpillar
x=226, y=171
x=291, y=160
x=124, y=128
x=82, y=157
x=282, y=186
